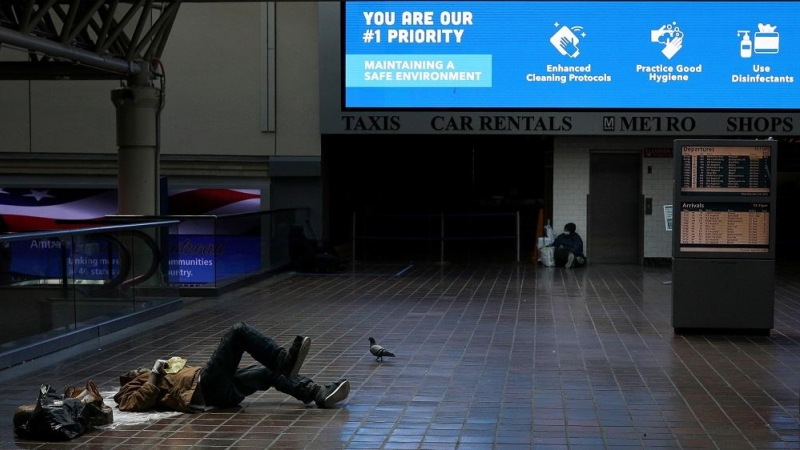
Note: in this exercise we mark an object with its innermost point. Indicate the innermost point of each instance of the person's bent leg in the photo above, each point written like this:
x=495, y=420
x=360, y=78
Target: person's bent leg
x=259, y=378
x=251, y=379
x=242, y=338
x=217, y=377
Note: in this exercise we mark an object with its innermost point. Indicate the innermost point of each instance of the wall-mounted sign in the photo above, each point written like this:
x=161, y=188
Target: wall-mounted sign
x=668, y=217
x=574, y=55
x=658, y=152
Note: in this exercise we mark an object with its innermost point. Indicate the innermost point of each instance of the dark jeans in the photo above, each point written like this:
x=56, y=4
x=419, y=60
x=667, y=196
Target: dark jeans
x=224, y=383
x=560, y=255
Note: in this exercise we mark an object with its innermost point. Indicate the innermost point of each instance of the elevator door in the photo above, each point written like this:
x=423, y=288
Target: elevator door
x=614, y=208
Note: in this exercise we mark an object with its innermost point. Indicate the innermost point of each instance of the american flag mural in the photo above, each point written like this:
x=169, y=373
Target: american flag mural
x=214, y=201
x=36, y=209
x=39, y=209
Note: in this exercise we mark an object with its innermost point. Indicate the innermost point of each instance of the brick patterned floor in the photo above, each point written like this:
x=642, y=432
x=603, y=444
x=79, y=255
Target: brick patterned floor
x=488, y=357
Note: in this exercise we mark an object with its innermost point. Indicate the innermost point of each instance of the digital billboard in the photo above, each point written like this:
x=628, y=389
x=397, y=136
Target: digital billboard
x=705, y=55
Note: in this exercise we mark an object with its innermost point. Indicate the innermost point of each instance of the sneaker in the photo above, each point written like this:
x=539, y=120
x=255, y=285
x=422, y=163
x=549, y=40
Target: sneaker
x=297, y=355
x=332, y=393
x=570, y=261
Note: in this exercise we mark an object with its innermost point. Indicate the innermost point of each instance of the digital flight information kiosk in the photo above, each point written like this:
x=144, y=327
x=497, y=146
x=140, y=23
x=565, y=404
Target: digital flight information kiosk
x=723, y=267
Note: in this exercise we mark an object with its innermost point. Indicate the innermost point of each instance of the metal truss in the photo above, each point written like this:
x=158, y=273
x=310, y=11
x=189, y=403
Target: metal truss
x=84, y=39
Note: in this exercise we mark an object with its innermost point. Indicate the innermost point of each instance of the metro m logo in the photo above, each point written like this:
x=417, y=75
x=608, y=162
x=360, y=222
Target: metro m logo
x=608, y=123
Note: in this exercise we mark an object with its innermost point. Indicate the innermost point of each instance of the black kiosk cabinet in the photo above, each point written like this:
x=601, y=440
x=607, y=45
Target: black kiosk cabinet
x=723, y=259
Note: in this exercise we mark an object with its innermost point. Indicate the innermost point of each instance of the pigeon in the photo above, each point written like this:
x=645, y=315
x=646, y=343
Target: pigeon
x=378, y=351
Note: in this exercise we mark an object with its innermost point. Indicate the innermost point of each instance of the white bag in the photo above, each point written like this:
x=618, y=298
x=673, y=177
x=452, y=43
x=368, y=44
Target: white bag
x=548, y=232
x=548, y=256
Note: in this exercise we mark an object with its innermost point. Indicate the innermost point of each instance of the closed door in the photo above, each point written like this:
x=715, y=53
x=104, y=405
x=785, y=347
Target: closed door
x=614, y=208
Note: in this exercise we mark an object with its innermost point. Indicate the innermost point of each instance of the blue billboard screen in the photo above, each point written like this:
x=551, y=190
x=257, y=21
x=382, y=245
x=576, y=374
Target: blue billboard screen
x=571, y=54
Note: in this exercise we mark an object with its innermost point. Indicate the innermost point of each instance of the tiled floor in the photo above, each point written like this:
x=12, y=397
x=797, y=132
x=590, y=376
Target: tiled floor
x=490, y=357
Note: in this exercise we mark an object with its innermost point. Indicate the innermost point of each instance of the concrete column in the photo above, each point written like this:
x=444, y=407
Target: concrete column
x=138, y=171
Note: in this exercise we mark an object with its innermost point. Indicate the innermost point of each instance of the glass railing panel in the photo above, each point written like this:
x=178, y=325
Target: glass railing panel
x=53, y=283
x=153, y=260
x=208, y=250
x=98, y=264
x=37, y=278
x=192, y=252
x=239, y=246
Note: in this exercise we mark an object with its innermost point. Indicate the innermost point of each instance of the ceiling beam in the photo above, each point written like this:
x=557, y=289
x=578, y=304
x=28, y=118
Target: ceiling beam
x=54, y=70
x=57, y=50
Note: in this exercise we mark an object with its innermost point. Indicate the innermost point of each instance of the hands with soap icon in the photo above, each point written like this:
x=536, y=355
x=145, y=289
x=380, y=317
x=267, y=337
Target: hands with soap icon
x=670, y=36
x=672, y=30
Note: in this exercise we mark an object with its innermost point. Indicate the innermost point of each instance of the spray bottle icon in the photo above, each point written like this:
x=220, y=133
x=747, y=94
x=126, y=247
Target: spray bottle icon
x=746, y=46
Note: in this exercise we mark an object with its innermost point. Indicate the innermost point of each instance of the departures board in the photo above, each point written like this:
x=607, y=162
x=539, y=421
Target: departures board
x=724, y=197
x=726, y=170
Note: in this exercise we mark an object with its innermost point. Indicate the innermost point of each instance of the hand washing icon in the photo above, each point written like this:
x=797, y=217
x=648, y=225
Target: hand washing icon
x=670, y=36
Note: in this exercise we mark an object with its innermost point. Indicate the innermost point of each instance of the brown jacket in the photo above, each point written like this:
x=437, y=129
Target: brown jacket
x=172, y=392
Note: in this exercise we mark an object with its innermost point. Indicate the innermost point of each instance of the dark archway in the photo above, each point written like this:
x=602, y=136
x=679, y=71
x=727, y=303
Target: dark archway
x=400, y=185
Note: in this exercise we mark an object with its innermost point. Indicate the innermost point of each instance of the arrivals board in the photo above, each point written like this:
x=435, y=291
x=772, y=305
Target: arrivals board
x=724, y=227
x=726, y=170
x=707, y=55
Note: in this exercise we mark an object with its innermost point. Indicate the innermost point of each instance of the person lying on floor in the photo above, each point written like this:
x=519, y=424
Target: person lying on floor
x=173, y=385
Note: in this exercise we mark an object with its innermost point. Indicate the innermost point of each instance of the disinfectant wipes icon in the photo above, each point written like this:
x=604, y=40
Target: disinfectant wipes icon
x=566, y=41
x=766, y=39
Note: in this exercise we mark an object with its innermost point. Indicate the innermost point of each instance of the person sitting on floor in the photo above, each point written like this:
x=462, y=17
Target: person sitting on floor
x=173, y=385
x=569, y=248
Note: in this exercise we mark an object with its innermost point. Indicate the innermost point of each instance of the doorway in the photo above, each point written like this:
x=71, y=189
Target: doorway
x=615, y=208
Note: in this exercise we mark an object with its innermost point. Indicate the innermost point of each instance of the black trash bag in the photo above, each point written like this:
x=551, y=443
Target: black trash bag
x=55, y=418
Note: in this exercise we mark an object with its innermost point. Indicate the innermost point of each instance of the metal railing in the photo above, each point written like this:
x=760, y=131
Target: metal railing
x=214, y=250
x=217, y=250
x=444, y=229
